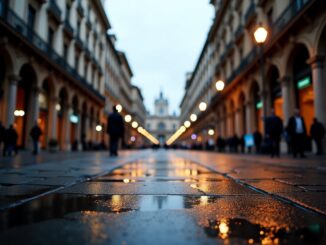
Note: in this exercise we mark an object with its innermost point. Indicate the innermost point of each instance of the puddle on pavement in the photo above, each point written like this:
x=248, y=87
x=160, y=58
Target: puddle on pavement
x=250, y=233
x=59, y=205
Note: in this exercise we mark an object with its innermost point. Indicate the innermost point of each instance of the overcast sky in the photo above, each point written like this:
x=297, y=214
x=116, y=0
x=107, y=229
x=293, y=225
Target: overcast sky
x=162, y=40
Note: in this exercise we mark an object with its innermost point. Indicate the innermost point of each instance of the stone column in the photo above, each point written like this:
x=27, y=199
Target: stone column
x=12, y=97
x=238, y=122
x=285, y=83
x=53, y=118
x=249, y=117
x=67, y=125
x=319, y=86
x=78, y=131
x=33, y=114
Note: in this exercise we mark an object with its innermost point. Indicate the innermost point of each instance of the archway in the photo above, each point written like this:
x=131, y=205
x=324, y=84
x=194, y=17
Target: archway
x=275, y=99
x=74, y=118
x=44, y=105
x=62, y=116
x=232, y=119
x=3, y=73
x=24, y=103
x=84, y=126
x=302, y=83
x=257, y=107
x=242, y=111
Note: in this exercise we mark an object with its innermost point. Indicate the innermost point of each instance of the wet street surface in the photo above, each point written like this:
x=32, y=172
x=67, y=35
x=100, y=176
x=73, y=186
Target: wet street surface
x=162, y=197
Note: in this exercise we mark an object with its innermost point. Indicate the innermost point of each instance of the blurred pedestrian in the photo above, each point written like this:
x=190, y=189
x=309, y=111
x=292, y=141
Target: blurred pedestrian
x=35, y=134
x=2, y=134
x=274, y=130
x=10, y=141
x=298, y=133
x=115, y=130
x=242, y=143
x=258, y=137
x=317, y=132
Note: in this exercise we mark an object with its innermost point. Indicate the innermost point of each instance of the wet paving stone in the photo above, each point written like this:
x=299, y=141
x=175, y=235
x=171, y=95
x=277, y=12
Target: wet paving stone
x=134, y=219
x=272, y=186
x=15, y=179
x=57, y=181
x=225, y=187
x=164, y=199
x=313, y=200
x=318, y=188
x=23, y=190
x=152, y=188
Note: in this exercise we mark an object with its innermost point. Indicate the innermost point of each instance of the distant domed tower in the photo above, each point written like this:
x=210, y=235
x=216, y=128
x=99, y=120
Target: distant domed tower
x=161, y=124
x=161, y=106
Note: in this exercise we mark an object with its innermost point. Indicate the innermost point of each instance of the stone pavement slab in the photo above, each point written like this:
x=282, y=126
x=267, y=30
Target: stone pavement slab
x=192, y=203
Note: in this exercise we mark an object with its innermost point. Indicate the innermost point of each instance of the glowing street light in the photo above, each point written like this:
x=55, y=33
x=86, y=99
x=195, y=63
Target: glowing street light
x=128, y=118
x=202, y=106
x=211, y=132
x=134, y=124
x=98, y=128
x=219, y=85
x=118, y=107
x=187, y=124
x=193, y=117
x=260, y=35
x=183, y=129
x=19, y=113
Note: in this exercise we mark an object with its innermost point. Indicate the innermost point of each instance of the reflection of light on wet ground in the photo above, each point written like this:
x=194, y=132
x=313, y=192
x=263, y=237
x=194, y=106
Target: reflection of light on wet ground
x=238, y=228
x=223, y=229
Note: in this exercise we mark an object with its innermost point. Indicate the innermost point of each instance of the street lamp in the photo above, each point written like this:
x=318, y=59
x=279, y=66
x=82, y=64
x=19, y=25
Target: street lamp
x=118, y=107
x=260, y=37
x=128, y=118
x=202, y=106
x=134, y=124
x=211, y=132
x=193, y=117
x=219, y=85
x=187, y=124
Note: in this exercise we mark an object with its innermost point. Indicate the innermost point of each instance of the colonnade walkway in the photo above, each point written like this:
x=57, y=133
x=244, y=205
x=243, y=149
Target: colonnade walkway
x=162, y=197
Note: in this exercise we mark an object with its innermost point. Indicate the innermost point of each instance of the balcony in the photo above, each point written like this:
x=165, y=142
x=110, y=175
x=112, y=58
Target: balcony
x=54, y=11
x=47, y=52
x=88, y=23
x=79, y=42
x=229, y=47
x=288, y=14
x=250, y=14
x=80, y=9
x=68, y=28
x=238, y=33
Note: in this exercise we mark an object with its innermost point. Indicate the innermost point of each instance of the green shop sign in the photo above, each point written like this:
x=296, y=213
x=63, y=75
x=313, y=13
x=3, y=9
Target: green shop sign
x=303, y=83
x=259, y=105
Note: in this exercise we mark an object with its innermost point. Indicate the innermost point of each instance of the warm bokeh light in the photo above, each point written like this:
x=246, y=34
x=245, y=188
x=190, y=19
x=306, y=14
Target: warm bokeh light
x=224, y=229
x=187, y=124
x=219, y=85
x=211, y=132
x=202, y=106
x=118, y=107
x=58, y=107
x=19, y=113
x=193, y=117
x=260, y=35
x=128, y=118
x=98, y=128
x=134, y=124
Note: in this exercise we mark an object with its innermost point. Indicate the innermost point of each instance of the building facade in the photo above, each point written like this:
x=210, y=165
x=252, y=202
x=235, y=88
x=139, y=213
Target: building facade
x=53, y=71
x=293, y=74
x=162, y=124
